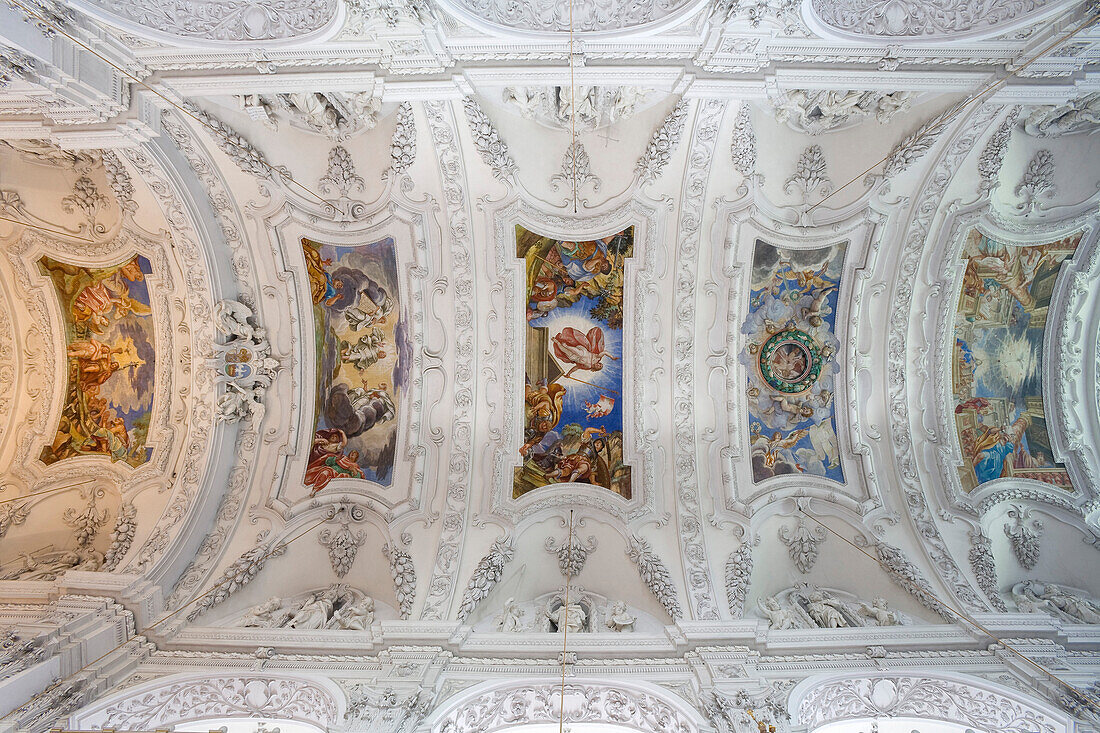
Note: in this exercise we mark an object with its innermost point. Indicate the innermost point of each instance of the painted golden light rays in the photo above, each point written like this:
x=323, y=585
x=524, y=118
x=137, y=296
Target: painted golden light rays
x=996, y=361
x=109, y=348
x=573, y=368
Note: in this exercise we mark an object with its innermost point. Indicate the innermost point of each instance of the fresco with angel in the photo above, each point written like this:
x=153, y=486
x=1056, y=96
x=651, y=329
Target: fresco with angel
x=573, y=376
x=363, y=360
x=997, y=360
x=790, y=356
x=109, y=346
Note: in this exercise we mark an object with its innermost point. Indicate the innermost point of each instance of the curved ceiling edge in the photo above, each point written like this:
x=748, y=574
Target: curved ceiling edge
x=545, y=19
x=914, y=22
x=225, y=25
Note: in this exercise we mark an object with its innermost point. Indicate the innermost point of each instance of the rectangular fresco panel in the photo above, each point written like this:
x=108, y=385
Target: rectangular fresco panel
x=996, y=363
x=573, y=382
x=790, y=356
x=110, y=356
x=364, y=356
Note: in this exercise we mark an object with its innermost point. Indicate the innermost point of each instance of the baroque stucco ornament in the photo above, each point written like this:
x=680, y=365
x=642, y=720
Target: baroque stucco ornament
x=940, y=19
x=551, y=16
x=233, y=21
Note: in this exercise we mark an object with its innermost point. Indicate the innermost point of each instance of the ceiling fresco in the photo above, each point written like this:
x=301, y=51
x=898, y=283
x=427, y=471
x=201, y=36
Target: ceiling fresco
x=997, y=369
x=110, y=349
x=400, y=366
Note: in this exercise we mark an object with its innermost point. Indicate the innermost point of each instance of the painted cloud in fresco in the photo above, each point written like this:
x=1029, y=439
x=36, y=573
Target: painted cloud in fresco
x=790, y=358
x=364, y=358
x=996, y=363
x=110, y=358
x=573, y=375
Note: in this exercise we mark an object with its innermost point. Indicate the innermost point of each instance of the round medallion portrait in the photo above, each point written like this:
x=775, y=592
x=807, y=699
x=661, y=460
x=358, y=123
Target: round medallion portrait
x=790, y=361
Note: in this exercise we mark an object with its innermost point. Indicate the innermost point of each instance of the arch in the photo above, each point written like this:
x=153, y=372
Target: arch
x=630, y=705
x=818, y=702
x=185, y=698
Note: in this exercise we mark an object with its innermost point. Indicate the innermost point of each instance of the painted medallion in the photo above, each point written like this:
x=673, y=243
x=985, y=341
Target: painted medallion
x=790, y=358
x=573, y=376
x=364, y=355
x=110, y=356
x=997, y=361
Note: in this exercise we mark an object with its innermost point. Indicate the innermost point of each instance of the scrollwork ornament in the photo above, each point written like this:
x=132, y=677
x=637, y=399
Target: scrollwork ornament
x=444, y=138
x=919, y=697
x=926, y=20
x=214, y=697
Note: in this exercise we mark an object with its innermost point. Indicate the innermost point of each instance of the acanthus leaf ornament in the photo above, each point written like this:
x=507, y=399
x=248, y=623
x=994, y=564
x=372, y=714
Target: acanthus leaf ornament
x=236, y=576
x=928, y=19
x=1023, y=531
x=985, y=569
x=810, y=175
x=11, y=515
x=743, y=147
x=489, y=571
x=572, y=553
x=341, y=180
x=343, y=545
x=655, y=575
x=122, y=536
x=989, y=162
x=575, y=166
x=242, y=696
x=901, y=696
x=802, y=544
x=403, y=142
x=90, y=201
x=908, y=576
x=1037, y=181
x=487, y=141
x=662, y=145
x=404, y=577
x=243, y=153
x=738, y=572
x=913, y=148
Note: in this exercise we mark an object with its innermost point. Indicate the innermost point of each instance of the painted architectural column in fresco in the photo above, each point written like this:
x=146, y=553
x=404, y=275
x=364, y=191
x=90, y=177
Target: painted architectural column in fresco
x=997, y=360
x=109, y=345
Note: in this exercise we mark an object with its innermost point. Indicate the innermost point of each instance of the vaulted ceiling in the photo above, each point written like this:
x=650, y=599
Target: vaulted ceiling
x=401, y=295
